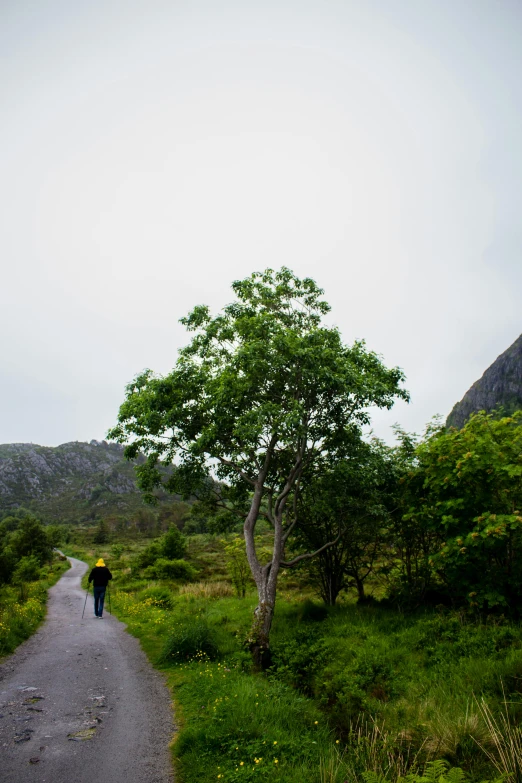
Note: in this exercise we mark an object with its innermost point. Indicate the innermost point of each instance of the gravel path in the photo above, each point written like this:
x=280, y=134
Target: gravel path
x=79, y=700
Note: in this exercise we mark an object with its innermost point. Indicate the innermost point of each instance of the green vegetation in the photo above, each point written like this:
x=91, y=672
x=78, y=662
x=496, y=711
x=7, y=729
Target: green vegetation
x=270, y=396
x=263, y=417
x=409, y=670
x=355, y=692
x=22, y=605
x=28, y=567
x=464, y=492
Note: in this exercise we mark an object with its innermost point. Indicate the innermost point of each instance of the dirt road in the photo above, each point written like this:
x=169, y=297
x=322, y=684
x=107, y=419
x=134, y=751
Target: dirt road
x=79, y=701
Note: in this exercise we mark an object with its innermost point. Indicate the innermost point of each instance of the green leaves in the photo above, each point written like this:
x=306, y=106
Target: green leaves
x=466, y=490
x=263, y=368
x=262, y=396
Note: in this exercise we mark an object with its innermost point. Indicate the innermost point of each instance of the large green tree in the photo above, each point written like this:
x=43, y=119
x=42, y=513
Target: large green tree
x=465, y=491
x=261, y=396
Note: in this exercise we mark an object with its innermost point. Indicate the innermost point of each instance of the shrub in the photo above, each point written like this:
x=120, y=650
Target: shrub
x=27, y=570
x=30, y=538
x=189, y=639
x=7, y=564
x=311, y=612
x=296, y=660
x=173, y=544
x=237, y=564
x=148, y=556
x=171, y=569
x=160, y=596
x=116, y=551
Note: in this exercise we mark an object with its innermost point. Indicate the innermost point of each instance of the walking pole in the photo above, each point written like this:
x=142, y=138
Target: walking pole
x=109, y=592
x=85, y=604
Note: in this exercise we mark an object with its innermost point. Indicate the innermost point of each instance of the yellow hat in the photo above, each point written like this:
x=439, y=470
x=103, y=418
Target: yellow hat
x=100, y=562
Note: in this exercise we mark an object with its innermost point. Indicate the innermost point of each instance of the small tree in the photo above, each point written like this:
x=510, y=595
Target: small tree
x=346, y=502
x=30, y=538
x=145, y=521
x=262, y=395
x=173, y=544
x=56, y=535
x=237, y=564
x=27, y=570
x=409, y=542
x=101, y=535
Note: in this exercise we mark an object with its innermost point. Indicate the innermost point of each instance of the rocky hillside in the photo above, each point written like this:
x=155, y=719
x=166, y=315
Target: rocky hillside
x=71, y=482
x=501, y=385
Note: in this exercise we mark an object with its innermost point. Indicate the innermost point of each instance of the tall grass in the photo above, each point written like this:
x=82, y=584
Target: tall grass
x=505, y=748
x=207, y=590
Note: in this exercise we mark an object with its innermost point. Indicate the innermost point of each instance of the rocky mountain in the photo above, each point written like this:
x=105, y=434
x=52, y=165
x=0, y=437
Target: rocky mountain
x=500, y=386
x=72, y=482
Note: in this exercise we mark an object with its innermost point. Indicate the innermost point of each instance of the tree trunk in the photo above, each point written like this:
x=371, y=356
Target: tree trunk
x=330, y=587
x=259, y=639
x=265, y=578
x=266, y=582
x=361, y=595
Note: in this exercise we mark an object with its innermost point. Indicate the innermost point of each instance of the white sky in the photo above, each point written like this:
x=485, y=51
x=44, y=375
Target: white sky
x=153, y=152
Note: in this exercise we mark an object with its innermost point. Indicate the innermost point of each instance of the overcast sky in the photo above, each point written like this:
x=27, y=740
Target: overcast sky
x=153, y=152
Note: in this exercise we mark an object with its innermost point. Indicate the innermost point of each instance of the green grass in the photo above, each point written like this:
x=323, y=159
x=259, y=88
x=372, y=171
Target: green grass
x=20, y=615
x=352, y=690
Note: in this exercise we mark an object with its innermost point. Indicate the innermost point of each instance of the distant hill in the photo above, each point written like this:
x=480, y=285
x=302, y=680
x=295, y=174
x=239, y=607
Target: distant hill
x=73, y=482
x=501, y=385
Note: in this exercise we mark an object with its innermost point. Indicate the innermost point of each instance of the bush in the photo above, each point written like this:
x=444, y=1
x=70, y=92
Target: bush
x=309, y=611
x=30, y=538
x=190, y=639
x=171, y=569
x=160, y=596
x=116, y=551
x=7, y=564
x=297, y=660
x=27, y=570
x=173, y=544
x=149, y=555
x=237, y=564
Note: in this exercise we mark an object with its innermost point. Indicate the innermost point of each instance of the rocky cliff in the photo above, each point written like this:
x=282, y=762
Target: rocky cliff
x=500, y=386
x=71, y=482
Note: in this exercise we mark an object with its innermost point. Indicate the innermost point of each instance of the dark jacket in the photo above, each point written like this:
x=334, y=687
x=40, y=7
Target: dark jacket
x=100, y=575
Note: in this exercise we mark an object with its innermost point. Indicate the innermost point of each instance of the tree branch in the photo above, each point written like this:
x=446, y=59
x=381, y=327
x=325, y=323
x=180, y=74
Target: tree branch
x=308, y=555
x=289, y=530
x=238, y=470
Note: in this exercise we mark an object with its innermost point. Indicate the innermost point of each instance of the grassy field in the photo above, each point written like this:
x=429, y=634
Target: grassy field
x=23, y=609
x=354, y=691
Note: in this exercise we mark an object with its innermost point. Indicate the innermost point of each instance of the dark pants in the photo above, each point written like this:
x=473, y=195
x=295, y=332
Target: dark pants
x=99, y=598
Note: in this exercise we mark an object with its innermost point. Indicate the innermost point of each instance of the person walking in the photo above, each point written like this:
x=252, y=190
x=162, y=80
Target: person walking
x=99, y=576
